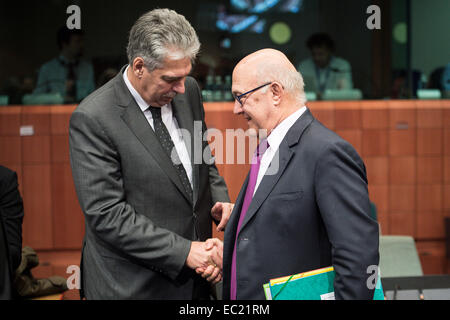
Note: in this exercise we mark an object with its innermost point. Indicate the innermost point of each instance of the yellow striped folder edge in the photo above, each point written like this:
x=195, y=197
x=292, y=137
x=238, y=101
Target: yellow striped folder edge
x=300, y=275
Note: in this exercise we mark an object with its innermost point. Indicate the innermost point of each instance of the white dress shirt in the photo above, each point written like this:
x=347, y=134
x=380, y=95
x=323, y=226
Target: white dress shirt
x=169, y=121
x=274, y=139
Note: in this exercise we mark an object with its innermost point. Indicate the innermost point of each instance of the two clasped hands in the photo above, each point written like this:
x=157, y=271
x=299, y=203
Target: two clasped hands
x=206, y=257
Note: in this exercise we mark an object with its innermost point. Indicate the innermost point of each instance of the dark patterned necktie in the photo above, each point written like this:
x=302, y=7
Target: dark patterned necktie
x=166, y=142
x=71, y=76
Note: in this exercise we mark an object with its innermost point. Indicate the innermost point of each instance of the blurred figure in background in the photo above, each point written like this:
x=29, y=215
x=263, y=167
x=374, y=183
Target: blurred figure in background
x=400, y=87
x=107, y=74
x=324, y=70
x=67, y=74
x=445, y=81
x=18, y=86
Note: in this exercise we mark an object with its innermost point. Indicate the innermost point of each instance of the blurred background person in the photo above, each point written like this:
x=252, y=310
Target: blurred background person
x=323, y=70
x=107, y=74
x=18, y=86
x=68, y=74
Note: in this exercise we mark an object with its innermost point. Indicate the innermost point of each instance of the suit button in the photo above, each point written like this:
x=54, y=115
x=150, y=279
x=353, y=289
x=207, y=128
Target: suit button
x=195, y=215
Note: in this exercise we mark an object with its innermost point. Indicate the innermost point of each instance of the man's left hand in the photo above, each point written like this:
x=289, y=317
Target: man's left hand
x=221, y=211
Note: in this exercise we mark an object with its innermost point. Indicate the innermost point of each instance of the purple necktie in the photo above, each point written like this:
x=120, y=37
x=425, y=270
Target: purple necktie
x=254, y=168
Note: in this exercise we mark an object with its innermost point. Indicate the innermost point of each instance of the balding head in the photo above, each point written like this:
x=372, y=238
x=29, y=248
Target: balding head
x=265, y=58
x=269, y=65
x=268, y=89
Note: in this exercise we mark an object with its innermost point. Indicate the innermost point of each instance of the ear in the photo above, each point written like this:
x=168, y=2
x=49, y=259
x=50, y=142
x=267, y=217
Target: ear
x=138, y=67
x=277, y=92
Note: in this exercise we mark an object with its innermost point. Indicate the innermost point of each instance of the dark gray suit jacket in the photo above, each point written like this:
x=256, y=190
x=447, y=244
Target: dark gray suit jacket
x=12, y=214
x=11, y=217
x=139, y=219
x=313, y=213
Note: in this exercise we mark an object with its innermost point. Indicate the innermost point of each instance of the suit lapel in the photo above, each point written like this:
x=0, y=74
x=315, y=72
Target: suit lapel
x=268, y=182
x=284, y=155
x=183, y=113
x=138, y=124
x=230, y=231
x=234, y=218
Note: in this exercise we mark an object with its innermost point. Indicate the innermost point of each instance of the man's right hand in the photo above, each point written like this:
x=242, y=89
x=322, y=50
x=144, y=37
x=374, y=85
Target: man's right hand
x=206, y=259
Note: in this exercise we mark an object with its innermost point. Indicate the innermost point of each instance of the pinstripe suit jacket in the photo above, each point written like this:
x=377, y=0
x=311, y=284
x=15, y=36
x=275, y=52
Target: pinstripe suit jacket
x=139, y=220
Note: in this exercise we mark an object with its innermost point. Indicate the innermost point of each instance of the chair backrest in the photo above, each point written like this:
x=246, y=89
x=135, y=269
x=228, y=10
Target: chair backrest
x=399, y=257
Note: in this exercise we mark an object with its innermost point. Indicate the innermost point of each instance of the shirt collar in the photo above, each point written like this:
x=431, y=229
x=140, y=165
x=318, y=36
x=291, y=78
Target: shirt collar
x=137, y=97
x=277, y=135
x=64, y=60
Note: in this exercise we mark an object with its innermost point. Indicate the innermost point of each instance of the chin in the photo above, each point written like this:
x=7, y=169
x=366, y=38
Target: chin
x=252, y=132
x=253, y=129
x=166, y=100
x=161, y=102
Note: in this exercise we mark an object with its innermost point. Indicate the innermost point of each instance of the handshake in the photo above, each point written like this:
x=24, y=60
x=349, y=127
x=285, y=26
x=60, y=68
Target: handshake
x=206, y=259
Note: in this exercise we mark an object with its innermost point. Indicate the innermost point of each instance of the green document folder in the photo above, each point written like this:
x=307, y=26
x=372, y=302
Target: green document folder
x=311, y=285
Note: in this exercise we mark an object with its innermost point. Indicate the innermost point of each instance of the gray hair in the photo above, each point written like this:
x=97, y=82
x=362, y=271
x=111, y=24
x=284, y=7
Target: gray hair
x=161, y=33
x=290, y=79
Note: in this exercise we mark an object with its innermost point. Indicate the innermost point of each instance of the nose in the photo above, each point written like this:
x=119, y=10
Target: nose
x=237, y=108
x=179, y=86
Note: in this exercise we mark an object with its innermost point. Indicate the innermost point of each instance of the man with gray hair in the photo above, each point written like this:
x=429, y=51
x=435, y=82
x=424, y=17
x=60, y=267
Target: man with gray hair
x=313, y=210
x=147, y=203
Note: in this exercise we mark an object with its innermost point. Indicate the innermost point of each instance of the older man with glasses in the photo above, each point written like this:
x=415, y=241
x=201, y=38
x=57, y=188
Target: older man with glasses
x=304, y=204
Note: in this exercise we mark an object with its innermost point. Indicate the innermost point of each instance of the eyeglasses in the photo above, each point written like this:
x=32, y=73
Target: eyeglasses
x=238, y=97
